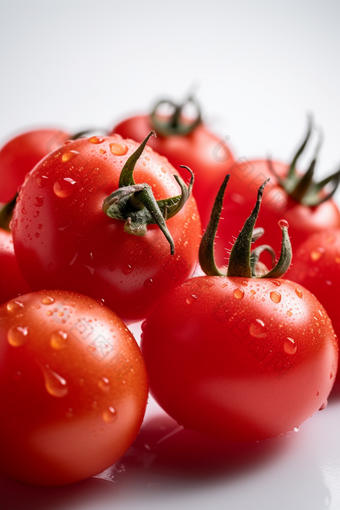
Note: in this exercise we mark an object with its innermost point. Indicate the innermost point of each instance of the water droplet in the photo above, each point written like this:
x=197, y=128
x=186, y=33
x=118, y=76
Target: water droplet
x=104, y=384
x=49, y=312
x=17, y=336
x=58, y=340
x=317, y=253
x=296, y=429
x=109, y=415
x=14, y=306
x=37, y=235
x=275, y=282
x=64, y=188
x=23, y=210
x=324, y=405
x=148, y=282
x=41, y=181
x=283, y=223
x=331, y=375
x=127, y=269
x=257, y=329
x=39, y=201
x=289, y=313
x=35, y=214
x=253, y=292
x=298, y=292
x=101, y=151
x=96, y=139
x=163, y=169
x=112, y=268
x=275, y=296
x=337, y=260
x=54, y=383
x=118, y=149
x=191, y=299
x=238, y=293
x=68, y=156
x=289, y=346
x=317, y=393
x=47, y=300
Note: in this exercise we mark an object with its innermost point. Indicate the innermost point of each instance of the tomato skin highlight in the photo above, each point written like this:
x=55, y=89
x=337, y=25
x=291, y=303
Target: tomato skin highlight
x=63, y=239
x=240, y=195
x=72, y=405
x=209, y=158
x=236, y=359
x=20, y=154
x=12, y=283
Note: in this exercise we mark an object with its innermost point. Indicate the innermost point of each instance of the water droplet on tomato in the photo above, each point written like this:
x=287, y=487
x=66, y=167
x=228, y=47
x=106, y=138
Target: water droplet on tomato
x=112, y=268
x=109, y=415
x=258, y=329
x=39, y=201
x=275, y=282
x=331, y=375
x=41, y=181
x=283, y=223
x=14, y=306
x=191, y=299
x=68, y=156
x=127, y=269
x=58, y=340
x=275, y=296
x=37, y=235
x=148, y=282
x=289, y=346
x=317, y=393
x=47, y=300
x=23, y=210
x=96, y=139
x=324, y=405
x=298, y=292
x=163, y=170
x=102, y=151
x=118, y=149
x=143, y=325
x=317, y=253
x=64, y=188
x=296, y=429
x=238, y=293
x=289, y=313
x=104, y=384
x=54, y=383
x=35, y=214
x=17, y=336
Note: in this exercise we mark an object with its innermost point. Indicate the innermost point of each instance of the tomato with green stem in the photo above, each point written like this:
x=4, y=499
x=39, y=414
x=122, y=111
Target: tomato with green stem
x=73, y=388
x=109, y=218
x=240, y=356
x=184, y=141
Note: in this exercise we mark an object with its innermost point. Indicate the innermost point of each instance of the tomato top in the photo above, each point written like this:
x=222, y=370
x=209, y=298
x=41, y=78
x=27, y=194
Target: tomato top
x=63, y=238
x=20, y=154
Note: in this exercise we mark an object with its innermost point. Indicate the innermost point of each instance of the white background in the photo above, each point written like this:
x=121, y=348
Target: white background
x=260, y=67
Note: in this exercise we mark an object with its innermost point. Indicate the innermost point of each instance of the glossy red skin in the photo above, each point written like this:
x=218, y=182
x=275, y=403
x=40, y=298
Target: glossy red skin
x=55, y=434
x=216, y=370
x=70, y=243
x=239, y=201
x=195, y=150
x=21, y=154
x=12, y=283
x=317, y=267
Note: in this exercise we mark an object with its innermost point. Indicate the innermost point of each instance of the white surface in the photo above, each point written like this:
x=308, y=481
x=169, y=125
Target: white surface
x=261, y=67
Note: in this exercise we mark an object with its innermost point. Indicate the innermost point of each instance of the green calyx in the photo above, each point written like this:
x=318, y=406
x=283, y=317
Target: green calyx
x=302, y=188
x=242, y=260
x=136, y=205
x=175, y=123
x=6, y=214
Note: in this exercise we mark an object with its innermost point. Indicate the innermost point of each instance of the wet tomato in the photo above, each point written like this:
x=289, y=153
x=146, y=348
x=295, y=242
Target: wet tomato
x=12, y=283
x=73, y=388
x=20, y=154
x=64, y=237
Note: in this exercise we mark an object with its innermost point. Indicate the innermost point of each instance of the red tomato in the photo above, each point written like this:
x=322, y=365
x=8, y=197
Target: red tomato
x=205, y=153
x=73, y=388
x=63, y=239
x=22, y=153
x=12, y=283
x=240, y=195
x=240, y=360
x=317, y=267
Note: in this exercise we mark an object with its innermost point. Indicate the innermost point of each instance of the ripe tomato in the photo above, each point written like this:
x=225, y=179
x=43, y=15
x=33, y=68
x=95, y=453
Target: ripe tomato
x=289, y=195
x=20, y=154
x=12, y=283
x=184, y=144
x=235, y=357
x=63, y=238
x=73, y=388
x=317, y=267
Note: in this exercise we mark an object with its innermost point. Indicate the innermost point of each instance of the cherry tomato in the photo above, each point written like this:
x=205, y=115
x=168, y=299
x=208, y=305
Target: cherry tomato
x=317, y=267
x=240, y=357
x=183, y=143
x=73, y=388
x=12, y=283
x=63, y=238
x=20, y=154
x=289, y=195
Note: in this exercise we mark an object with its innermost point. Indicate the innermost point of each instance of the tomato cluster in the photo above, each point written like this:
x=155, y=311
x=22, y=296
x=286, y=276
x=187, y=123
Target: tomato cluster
x=100, y=231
